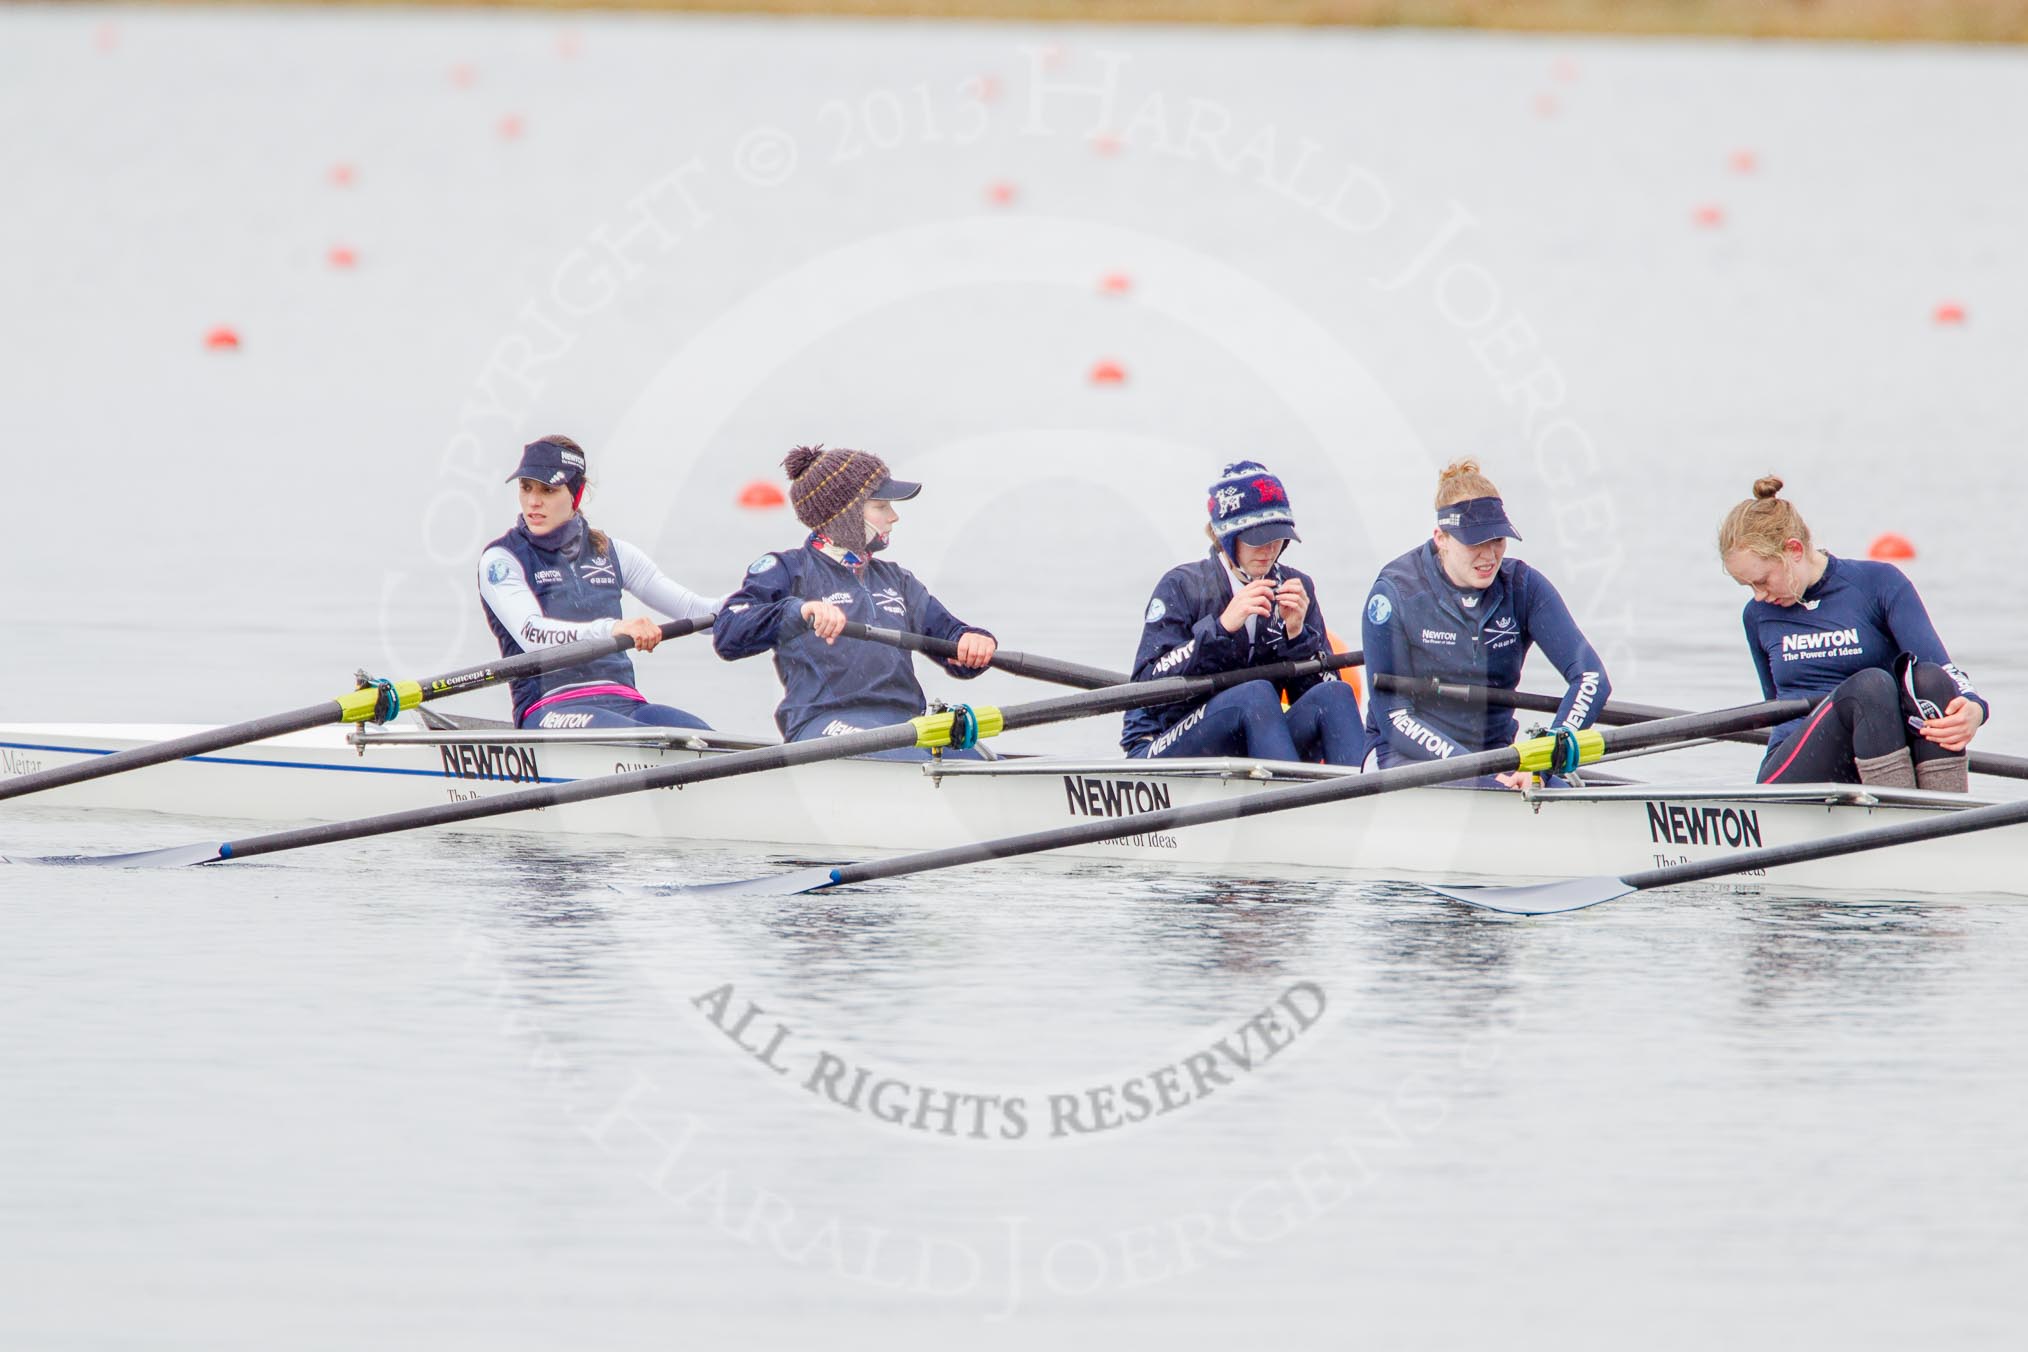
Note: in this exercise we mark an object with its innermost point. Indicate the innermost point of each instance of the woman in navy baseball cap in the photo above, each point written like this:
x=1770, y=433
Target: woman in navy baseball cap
x=1457, y=609
x=555, y=579
x=1242, y=606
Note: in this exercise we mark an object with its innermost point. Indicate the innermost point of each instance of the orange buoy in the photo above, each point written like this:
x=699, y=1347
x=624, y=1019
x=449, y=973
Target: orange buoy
x=463, y=76
x=342, y=175
x=1105, y=143
x=1116, y=284
x=1890, y=546
x=510, y=127
x=1709, y=216
x=1563, y=69
x=760, y=495
x=1744, y=161
x=1546, y=105
x=1949, y=312
x=1108, y=373
x=222, y=339
x=988, y=88
x=341, y=256
x=1001, y=193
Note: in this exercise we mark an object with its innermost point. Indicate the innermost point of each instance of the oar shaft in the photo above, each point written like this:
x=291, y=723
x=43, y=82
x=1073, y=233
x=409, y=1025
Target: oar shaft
x=349, y=708
x=1619, y=713
x=176, y=748
x=1016, y=663
x=544, y=660
x=1616, y=713
x=918, y=732
x=1497, y=761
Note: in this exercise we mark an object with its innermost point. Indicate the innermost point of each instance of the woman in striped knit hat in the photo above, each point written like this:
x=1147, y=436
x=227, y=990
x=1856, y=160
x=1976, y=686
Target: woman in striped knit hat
x=1242, y=606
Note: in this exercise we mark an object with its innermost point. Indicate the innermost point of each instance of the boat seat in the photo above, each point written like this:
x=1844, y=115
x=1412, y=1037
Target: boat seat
x=436, y=721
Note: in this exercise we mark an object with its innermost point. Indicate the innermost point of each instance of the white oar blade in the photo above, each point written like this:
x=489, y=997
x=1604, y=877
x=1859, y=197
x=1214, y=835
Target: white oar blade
x=177, y=856
x=773, y=885
x=1571, y=894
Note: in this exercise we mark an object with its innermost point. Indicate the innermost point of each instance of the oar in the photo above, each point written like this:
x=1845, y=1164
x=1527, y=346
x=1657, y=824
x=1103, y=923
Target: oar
x=1619, y=714
x=1572, y=894
x=1535, y=754
x=1018, y=664
x=959, y=727
x=376, y=702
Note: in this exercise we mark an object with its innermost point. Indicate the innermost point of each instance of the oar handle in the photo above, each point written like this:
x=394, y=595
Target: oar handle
x=1004, y=659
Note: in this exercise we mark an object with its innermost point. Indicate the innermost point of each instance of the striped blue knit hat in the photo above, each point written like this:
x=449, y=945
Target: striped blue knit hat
x=1249, y=506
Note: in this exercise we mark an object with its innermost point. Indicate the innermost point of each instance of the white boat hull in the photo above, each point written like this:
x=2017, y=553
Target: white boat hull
x=843, y=808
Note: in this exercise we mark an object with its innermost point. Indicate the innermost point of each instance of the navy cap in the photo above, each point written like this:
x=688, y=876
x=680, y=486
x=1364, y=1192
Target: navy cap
x=551, y=462
x=1475, y=521
x=892, y=489
x=1268, y=531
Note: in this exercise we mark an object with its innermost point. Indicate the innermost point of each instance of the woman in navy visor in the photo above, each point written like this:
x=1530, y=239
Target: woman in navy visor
x=1456, y=608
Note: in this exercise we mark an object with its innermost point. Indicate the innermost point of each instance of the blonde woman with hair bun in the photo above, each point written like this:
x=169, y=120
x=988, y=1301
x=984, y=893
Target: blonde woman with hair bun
x=1456, y=609
x=1895, y=710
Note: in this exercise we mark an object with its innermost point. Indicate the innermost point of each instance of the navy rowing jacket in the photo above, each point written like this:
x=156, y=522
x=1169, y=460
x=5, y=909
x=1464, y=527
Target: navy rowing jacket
x=1420, y=624
x=1860, y=614
x=856, y=683
x=1181, y=636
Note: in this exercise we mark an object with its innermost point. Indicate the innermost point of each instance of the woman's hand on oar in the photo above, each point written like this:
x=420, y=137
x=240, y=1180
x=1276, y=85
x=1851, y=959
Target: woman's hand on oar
x=1558, y=754
x=376, y=702
x=1574, y=894
x=962, y=727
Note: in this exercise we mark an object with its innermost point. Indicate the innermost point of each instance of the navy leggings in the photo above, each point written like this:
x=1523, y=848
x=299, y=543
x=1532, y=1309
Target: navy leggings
x=610, y=711
x=1247, y=720
x=1866, y=716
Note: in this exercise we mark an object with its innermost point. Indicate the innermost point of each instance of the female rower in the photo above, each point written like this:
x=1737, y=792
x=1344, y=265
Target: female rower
x=1241, y=607
x=1456, y=608
x=1850, y=629
x=795, y=603
x=554, y=579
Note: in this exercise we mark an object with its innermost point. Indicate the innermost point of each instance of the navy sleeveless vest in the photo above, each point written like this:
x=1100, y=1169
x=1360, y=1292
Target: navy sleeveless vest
x=570, y=582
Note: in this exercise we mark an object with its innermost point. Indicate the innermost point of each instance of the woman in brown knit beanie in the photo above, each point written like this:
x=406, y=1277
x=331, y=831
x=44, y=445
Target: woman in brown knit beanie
x=795, y=604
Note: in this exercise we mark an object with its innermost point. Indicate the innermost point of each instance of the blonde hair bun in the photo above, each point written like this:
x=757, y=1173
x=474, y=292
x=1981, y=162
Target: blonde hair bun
x=1461, y=480
x=1767, y=487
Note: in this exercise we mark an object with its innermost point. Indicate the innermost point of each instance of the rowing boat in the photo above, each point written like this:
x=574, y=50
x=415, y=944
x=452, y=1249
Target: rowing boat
x=1434, y=834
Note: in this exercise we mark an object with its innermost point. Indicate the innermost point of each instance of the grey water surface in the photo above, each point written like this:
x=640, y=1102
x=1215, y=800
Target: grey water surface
x=452, y=1090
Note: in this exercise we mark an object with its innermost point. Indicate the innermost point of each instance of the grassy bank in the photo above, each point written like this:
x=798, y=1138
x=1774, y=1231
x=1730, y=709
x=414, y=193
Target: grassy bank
x=1866, y=20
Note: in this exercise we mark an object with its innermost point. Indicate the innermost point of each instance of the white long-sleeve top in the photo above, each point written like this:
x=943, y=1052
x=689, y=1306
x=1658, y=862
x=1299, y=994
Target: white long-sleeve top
x=505, y=589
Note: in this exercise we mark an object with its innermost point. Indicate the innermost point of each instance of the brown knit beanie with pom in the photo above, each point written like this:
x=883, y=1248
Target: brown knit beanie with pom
x=830, y=489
